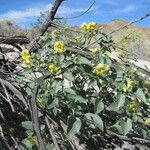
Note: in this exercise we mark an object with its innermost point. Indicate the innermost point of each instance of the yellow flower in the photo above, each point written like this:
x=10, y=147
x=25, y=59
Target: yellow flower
x=88, y=27
x=59, y=46
x=31, y=139
x=78, y=38
x=91, y=26
x=39, y=102
x=54, y=33
x=101, y=69
x=132, y=107
x=26, y=58
x=53, y=68
x=26, y=64
x=134, y=70
x=84, y=26
x=147, y=120
x=95, y=50
x=128, y=85
x=25, y=54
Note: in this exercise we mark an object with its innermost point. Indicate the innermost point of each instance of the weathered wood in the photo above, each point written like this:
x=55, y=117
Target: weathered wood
x=36, y=43
x=14, y=40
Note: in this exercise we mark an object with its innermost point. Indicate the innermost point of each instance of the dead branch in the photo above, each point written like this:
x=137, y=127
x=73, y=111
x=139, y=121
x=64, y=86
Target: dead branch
x=48, y=24
x=120, y=28
x=128, y=24
x=14, y=40
x=35, y=120
x=88, y=9
x=16, y=92
x=7, y=96
x=51, y=16
x=52, y=134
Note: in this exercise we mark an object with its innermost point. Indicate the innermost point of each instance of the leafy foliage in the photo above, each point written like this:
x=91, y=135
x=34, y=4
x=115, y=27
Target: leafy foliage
x=84, y=96
x=88, y=102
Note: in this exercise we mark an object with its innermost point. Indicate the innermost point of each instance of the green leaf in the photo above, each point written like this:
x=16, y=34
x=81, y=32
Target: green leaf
x=49, y=146
x=39, y=80
x=57, y=85
x=68, y=76
x=52, y=103
x=27, y=125
x=80, y=99
x=126, y=126
x=83, y=60
x=74, y=125
x=117, y=126
x=140, y=95
x=99, y=106
x=70, y=91
x=25, y=145
x=95, y=119
x=118, y=104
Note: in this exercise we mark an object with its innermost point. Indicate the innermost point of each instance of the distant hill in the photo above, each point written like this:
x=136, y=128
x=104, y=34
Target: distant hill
x=137, y=38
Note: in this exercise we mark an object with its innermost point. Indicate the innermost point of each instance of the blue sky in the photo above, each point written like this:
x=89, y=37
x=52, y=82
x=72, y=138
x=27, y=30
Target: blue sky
x=24, y=12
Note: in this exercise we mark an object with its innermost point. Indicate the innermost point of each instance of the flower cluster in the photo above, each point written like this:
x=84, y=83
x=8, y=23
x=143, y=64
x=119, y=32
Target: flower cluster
x=147, y=120
x=88, y=26
x=132, y=107
x=31, y=139
x=128, y=85
x=53, y=68
x=95, y=50
x=39, y=102
x=101, y=69
x=54, y=33
x=26, y=58
x=59, y=46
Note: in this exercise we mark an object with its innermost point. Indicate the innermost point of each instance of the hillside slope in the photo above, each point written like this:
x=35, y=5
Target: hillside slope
x=134, y=39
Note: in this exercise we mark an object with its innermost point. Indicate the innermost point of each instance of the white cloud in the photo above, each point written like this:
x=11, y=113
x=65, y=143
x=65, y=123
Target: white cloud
x=26, y=15
x=127, y=9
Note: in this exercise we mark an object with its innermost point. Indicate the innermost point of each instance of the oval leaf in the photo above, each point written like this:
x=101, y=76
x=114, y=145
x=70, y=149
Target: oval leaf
x=96, y=120
x=74, y=125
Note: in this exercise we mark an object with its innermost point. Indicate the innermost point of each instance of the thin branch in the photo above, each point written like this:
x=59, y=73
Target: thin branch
x=130, y=23
x=48, y=23
x=88, y=9
x=51, y=16
x=122, y=137
x=122, y=27
x=52, y=134
x=15, y=141
x=13, y=40
x=5, y=142
x=35, y=120
x=15, y=91
x=7, y=95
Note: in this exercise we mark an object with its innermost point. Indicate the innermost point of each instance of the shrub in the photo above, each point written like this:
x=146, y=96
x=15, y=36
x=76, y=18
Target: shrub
x=87, y=93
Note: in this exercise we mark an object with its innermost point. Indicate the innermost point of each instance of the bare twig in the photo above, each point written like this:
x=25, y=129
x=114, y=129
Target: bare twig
x=5, y=142
x=48, y=23
x=88, y=9
x=51, y=16
x=52, y=134
x=120, y=28
x=15, y=141
x=35, y=120
x=14, y=90
x=128, y=24
x=122, y=137
x=15, y=39
x=7, y=95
